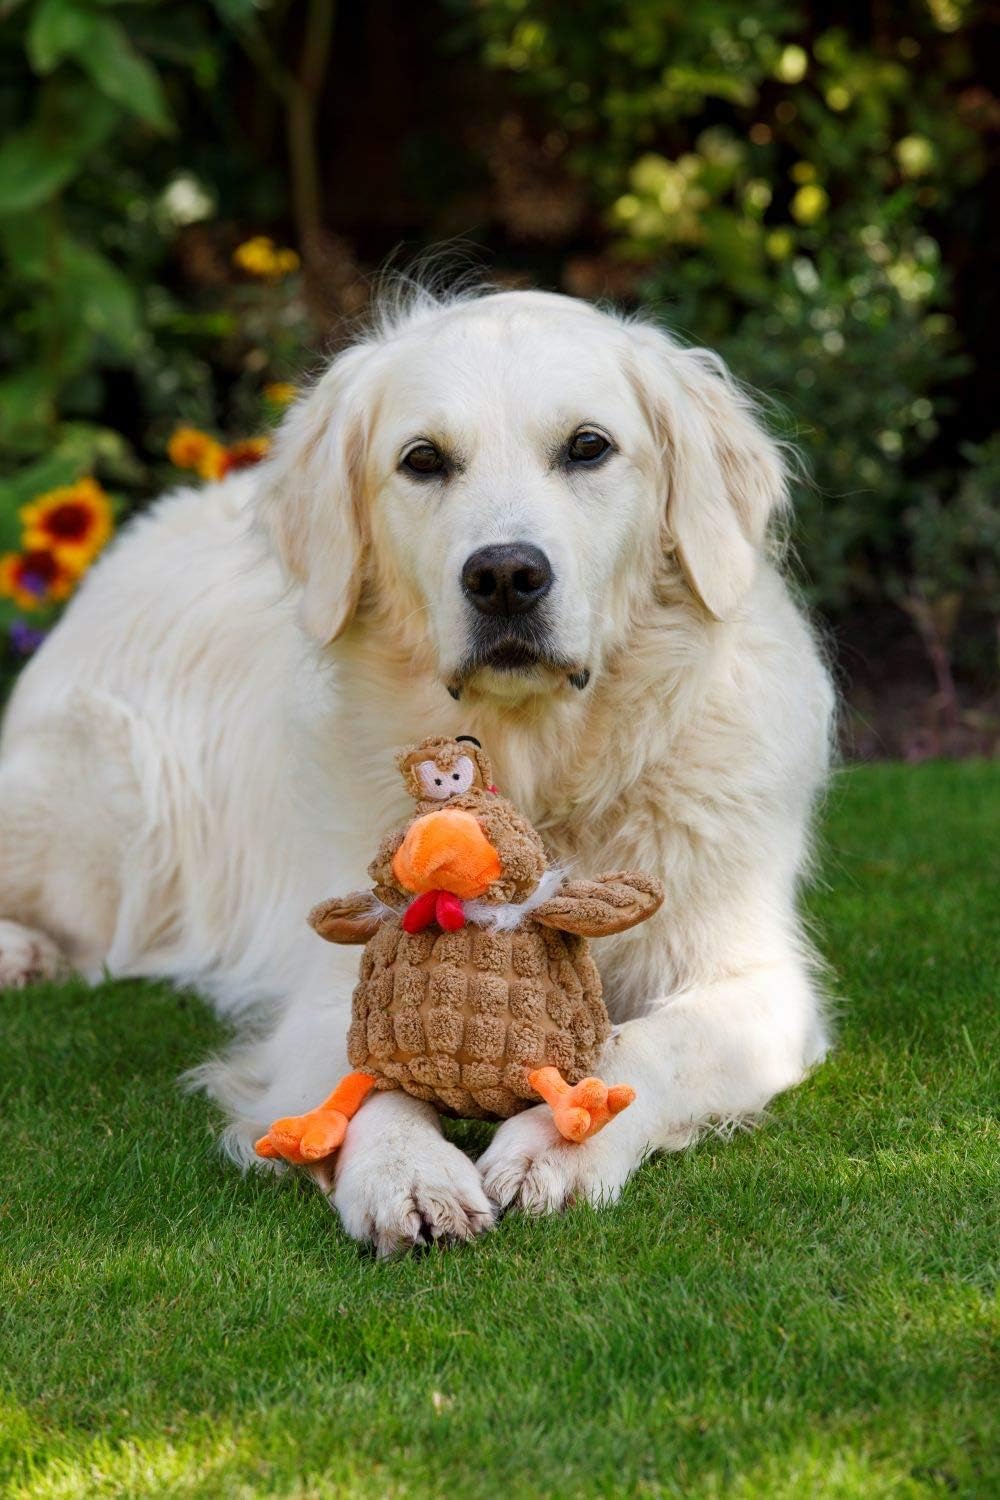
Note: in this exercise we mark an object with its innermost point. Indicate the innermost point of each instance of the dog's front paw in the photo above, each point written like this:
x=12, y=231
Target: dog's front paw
x=529, y=1165
x=27, y=957
x=397, y=1195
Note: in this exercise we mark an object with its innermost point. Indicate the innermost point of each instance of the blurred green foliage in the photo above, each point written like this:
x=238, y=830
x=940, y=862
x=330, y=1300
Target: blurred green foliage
x=118, y=140
x=777, y=181
x=790, y=183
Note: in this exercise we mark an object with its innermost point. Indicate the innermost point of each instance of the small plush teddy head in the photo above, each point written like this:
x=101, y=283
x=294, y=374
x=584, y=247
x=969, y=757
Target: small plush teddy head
x=464, y=838
x=439, y=768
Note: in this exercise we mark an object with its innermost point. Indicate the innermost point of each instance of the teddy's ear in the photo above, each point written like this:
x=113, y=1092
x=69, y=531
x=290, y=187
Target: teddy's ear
x=346, y=919
x=482, y=761
x=596, y=908
x=723, y=476
x=311, y=503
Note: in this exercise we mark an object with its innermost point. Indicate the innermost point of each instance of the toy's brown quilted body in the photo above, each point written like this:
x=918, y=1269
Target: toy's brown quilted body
x=461, y=1018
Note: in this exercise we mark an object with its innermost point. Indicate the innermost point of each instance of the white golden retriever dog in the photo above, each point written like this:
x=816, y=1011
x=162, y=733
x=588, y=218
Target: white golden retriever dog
x=508, y=515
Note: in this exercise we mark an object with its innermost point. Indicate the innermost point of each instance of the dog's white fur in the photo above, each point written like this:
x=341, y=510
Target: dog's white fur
x=203, y=748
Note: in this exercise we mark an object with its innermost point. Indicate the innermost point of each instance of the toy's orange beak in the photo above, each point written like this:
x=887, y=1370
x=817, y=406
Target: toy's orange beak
x=446, y=851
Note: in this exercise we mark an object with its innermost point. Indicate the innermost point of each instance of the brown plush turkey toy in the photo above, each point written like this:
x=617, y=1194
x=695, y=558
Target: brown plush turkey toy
x=477, y=992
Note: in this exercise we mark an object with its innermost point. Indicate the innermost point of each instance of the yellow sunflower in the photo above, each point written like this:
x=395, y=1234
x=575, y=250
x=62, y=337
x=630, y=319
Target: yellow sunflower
x=73, y=523
x=34, y=578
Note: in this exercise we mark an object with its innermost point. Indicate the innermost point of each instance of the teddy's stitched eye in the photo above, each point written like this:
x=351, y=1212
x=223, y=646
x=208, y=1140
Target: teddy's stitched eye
x=432, y=781
x=587, y=447
x=423, y=461
x=440, y=785
x=462, y=774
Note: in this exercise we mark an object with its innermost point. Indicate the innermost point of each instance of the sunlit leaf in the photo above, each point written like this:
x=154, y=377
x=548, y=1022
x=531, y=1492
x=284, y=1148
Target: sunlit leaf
x=37, y=161
x=125, y=76
x=26, y=406
x=704, y=83
x=106, y=302
x=59, y=28
x=101, y=46
x=237, y=13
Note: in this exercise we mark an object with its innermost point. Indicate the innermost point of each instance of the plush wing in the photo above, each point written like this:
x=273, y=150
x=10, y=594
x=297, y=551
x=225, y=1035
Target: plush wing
x=595, y=908
x=347, y=919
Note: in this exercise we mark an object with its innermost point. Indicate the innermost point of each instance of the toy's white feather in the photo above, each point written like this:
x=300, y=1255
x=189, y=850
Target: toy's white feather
x=512, y=913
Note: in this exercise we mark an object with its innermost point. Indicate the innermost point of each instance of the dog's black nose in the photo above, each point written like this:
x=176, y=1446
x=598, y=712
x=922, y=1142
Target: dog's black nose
x=508, y=579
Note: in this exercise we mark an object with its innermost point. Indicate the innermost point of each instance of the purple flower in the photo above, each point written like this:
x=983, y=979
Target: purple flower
x=25, y=638
x=34, y=583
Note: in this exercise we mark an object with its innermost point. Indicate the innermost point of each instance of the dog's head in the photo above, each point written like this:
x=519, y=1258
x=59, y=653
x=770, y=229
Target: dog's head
x=514, y=476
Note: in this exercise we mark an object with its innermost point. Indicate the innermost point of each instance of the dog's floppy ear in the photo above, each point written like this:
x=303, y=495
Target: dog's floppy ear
x=724, y=476
x=311, y=495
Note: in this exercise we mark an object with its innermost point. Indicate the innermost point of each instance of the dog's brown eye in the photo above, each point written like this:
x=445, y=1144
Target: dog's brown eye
x=424, y=460
x=587, y=447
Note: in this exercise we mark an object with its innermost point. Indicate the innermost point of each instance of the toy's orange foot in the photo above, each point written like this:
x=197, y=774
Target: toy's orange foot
x=580, y=1110
x=304, y=1138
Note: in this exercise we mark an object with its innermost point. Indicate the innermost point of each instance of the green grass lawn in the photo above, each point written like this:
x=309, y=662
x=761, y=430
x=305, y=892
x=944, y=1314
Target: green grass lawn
x=806, y=1311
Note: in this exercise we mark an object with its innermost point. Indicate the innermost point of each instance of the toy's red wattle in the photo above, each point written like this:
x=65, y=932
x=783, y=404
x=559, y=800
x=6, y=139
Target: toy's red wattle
x=449, y=912
x=441, y=907
x=420, y=912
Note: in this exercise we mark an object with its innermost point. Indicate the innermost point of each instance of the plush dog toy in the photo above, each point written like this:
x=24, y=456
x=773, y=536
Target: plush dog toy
x=477, y=991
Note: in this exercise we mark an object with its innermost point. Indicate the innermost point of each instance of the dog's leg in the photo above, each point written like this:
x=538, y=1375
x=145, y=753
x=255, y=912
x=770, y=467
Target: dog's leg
x=399, y=1183
x=716, y=1053
x=27, y=953
x=395, y=1182
x=67, y=808
x=27, y=956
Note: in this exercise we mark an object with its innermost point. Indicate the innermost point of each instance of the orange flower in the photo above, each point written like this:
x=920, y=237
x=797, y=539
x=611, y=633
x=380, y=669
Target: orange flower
x=190, y=448
x=213, y=465
x=34, y=578
x=280, y=393
x=244, y=455
x=73, y=523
